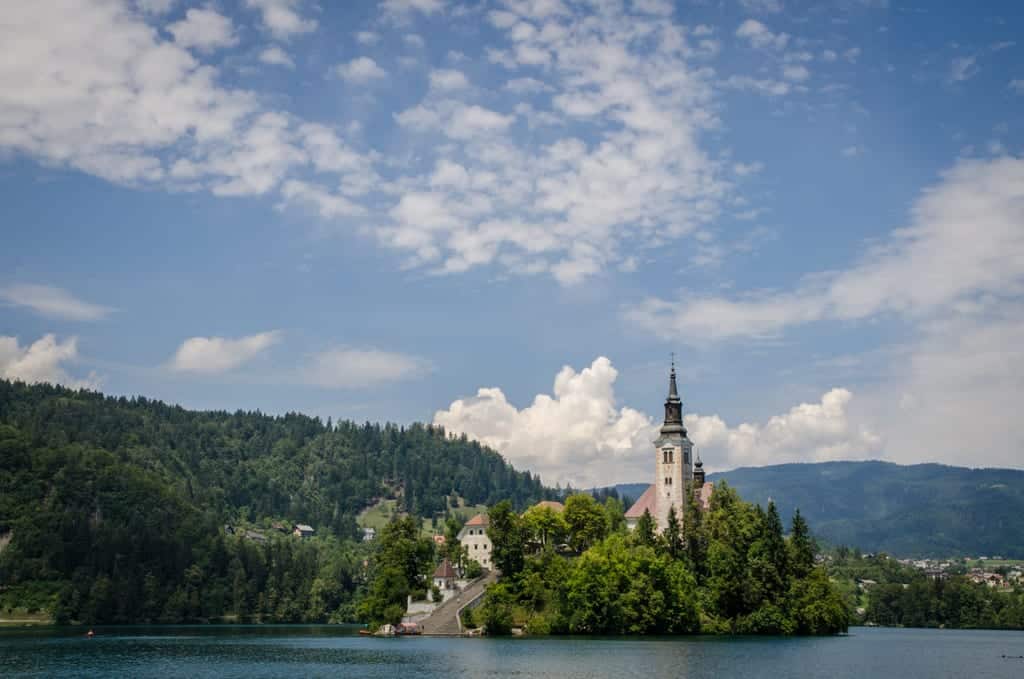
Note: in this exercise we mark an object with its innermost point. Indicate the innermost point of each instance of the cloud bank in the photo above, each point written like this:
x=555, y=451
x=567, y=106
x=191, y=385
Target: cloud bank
x=42, y=361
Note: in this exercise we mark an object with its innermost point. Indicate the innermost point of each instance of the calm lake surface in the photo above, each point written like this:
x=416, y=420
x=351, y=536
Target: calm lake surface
x=324, y=651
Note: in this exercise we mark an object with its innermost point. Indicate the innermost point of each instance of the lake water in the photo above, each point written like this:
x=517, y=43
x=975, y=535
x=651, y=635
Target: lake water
x=323, y=651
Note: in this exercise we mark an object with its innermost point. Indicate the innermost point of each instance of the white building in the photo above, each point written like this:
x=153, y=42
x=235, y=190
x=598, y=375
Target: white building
x=473, y=537
x=674, y=468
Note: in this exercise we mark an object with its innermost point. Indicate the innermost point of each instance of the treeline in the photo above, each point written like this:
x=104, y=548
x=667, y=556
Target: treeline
x=730, y=571
x=130, y=497
x=883, y=591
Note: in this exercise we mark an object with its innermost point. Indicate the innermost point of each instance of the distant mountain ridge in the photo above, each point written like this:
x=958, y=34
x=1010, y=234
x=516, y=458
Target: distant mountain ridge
x=906, y=510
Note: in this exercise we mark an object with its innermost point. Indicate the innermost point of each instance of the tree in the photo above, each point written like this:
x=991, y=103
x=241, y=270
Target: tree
x=507, y=535
x=496, y=613
x=645, y=533
x=673, y=535
x=586, y=521
x=801, y=547
x=544, y=525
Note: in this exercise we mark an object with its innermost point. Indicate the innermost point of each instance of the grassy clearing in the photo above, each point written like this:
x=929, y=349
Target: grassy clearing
x=380, y=514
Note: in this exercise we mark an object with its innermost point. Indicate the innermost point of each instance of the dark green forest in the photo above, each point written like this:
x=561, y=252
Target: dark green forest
x=113, y=509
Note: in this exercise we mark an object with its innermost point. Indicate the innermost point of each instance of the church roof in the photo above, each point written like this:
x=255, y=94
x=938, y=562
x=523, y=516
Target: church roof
x=645, y=502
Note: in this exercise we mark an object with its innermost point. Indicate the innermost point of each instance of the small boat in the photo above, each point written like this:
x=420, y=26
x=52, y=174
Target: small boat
x=365, y=633
x=90, y=634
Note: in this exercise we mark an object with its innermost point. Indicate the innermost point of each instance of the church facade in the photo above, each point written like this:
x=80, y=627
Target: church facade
x=676, y=472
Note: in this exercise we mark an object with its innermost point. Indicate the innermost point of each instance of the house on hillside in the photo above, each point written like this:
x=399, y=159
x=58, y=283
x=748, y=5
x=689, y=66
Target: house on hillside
x=444, y=576
x=301, y=530
x=473, y=537
x=369, y=534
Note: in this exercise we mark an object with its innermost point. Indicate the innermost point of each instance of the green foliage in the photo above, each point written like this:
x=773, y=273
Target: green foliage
x=508, y=537
x=544, y=526
x=646, y=530
x=727, y=570
x=117, y=506
x=586, y=521
x=496, y=613
x=894, y=594
x=399, y=568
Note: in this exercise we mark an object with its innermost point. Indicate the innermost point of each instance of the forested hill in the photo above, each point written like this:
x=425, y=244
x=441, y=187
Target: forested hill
x=134, y=491
x=293, y=467
x=909, y=511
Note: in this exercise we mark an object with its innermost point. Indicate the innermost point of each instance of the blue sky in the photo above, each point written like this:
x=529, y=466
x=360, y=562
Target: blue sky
x=503, y=216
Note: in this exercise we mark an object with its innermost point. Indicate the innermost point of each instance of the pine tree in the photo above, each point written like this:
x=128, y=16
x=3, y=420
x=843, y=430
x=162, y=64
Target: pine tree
x=801, y=547
x=644, y=534
x=673, y=535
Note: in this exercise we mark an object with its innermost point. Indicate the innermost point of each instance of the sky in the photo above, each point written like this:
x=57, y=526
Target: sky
x=504, y=217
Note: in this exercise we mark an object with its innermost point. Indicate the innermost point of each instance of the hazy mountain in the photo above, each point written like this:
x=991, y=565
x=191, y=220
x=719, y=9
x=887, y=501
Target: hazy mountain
x=916, y=510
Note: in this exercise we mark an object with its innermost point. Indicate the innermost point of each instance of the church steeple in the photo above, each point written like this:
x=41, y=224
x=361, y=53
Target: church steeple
x=673, y=406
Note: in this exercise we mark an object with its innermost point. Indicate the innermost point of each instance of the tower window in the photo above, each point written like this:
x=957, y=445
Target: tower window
x=667, y=455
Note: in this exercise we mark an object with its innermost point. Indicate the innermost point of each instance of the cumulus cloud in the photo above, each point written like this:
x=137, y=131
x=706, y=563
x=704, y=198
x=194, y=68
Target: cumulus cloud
x=360, y=70
x=42, y=361
x=350, y=368
x=964, y=245
x=759, y=36
x=448, y=79
x=809, y=432
x=203, y=29
x=53, y=302
x=578, y=434
x=275, y=56
x=282, y=17
x=216, y=355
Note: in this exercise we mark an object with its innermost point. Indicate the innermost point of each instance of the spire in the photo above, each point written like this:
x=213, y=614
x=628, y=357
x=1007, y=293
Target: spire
x=673, y=406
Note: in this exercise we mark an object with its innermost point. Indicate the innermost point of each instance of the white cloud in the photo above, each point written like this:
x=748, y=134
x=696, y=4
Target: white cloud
x=640, y=177
x=759, y=36
x=203, y=29
x=762, y=6
x=1017, y=86
x=580, y=434
x=809, y=432
x=446, y=79
x=852, y=151
x=414, y=40
x=747, y=169
x=772, y=88
x=281, y=17
x=964, y=244
x=324, y=202
x=658, y=7
x=42, y=361
x=577, y=434
x=367, y=38
x=401, y=10
x=360, y=70
x=53, y=302
x=349, y=368
x=155, y=6
x=795, y=73
x=276, y=56
x=216, y=355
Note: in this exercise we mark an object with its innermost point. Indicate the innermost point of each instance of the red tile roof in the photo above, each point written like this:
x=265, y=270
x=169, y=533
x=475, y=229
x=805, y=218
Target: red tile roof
x=444, y=570
x=479, y=520
x=645, y=502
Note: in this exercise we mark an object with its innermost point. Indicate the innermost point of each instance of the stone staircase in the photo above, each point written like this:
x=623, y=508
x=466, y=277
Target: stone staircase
x=444, y=620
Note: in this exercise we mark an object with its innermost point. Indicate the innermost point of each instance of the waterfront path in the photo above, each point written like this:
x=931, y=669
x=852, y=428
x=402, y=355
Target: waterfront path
x=444, y=620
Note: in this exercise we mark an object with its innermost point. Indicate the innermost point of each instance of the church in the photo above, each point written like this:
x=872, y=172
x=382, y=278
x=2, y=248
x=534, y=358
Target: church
x=675, y=471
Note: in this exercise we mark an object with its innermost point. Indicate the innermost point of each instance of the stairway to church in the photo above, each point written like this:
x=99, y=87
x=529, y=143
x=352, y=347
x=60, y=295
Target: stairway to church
x=444, y=620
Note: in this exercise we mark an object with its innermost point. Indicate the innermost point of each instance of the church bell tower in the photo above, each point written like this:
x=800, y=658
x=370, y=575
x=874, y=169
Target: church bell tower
x=673, y=458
